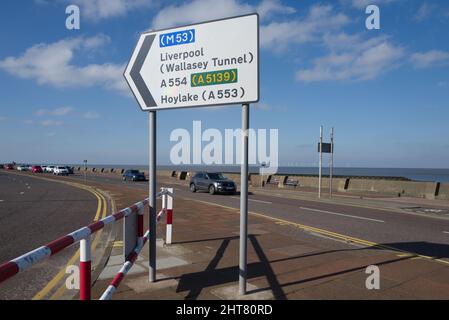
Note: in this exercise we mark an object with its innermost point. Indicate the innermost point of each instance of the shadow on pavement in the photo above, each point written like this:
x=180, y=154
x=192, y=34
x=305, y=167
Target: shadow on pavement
x=429, y=249
x=211, y=276
x=196, y=282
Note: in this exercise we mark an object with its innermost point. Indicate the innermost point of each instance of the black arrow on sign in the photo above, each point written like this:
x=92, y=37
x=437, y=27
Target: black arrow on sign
x=135, y=72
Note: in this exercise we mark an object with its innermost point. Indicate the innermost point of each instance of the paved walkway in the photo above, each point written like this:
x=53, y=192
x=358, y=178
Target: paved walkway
x=284, y=262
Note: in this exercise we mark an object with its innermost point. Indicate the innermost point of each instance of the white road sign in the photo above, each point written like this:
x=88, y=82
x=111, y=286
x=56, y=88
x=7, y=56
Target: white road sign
x=210, y=63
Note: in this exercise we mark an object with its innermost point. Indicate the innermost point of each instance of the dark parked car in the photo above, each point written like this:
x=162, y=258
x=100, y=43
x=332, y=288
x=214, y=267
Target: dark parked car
x=134, y=175
x=9, y=166
x=214, y=182
x=69, y=169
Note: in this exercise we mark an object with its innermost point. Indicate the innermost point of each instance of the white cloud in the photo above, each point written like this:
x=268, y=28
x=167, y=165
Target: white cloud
x=42, y=2
x=51, y=123
x=51, y=64
x=362, y=4
x=55, y=112
x=424, y=11
x=28, y=121
x=430, y=58
x=268, y=8
x=202, y=10
x=62, y=111
x=319, y=20
x=351, y=58
x=96, y=42
x=103, y=9
x=262, y=106
x=269, y=107
x=91, y=115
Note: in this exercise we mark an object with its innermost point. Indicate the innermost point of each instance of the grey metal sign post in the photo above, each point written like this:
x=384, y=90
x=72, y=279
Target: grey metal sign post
x=244, y=202
x=321, y=161
x=331, y=164
x=152, y=195
x=204, y=64
x=85, y=168
x=325, y=148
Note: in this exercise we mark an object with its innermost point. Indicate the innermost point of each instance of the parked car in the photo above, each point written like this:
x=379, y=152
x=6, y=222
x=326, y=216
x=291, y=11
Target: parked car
x=60, y=171
x=133, y=175
x=213, y=182
x=36, y=169
x=9, y=166
x=23, y=167
x=69, y=169
x=49, y=169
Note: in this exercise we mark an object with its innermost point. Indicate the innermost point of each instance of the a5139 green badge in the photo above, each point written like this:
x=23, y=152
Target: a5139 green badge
x=213, y=78
x=210, y=63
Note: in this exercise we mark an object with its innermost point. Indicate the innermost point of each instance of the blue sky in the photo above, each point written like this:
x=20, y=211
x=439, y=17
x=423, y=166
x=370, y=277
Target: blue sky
x=386, y=92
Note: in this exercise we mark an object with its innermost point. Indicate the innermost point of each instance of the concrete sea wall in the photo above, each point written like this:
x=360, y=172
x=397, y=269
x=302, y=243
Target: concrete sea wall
x=418, y=189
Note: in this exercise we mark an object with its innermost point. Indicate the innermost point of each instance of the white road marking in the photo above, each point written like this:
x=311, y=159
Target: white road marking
x=2, y=200
x=447, y=232
x=261, y=201
x=22, y=192
x=342, y=214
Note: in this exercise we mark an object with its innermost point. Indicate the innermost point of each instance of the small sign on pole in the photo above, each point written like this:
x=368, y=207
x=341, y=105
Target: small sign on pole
x=326, y=147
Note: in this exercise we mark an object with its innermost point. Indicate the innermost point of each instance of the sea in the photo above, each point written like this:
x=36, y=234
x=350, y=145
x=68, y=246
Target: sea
x=415, y=174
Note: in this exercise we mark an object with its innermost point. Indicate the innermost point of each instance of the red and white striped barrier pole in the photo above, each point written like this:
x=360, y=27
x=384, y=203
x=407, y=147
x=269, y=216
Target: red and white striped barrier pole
x=85, y=269
x=25, y=261
x=107, y=295
x=83, y=235
x=169, y=207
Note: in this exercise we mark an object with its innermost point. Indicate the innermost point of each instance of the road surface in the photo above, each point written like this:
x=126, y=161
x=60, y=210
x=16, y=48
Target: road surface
x=427, y=236
x=34, y=212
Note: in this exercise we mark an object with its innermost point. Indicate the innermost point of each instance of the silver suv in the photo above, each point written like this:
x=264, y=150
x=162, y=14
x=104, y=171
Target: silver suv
x=213, y=182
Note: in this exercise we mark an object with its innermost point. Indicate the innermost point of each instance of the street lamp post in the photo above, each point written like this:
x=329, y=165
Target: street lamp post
x=320, y=162
x=331, y=162
x=262, y=167
x=85, y=168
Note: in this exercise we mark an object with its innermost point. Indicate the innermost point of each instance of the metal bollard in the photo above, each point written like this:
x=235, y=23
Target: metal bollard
x=169, y=209
x=85, y=269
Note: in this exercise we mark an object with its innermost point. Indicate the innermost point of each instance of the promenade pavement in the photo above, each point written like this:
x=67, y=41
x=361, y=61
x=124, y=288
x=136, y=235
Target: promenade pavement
x=285, y=261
